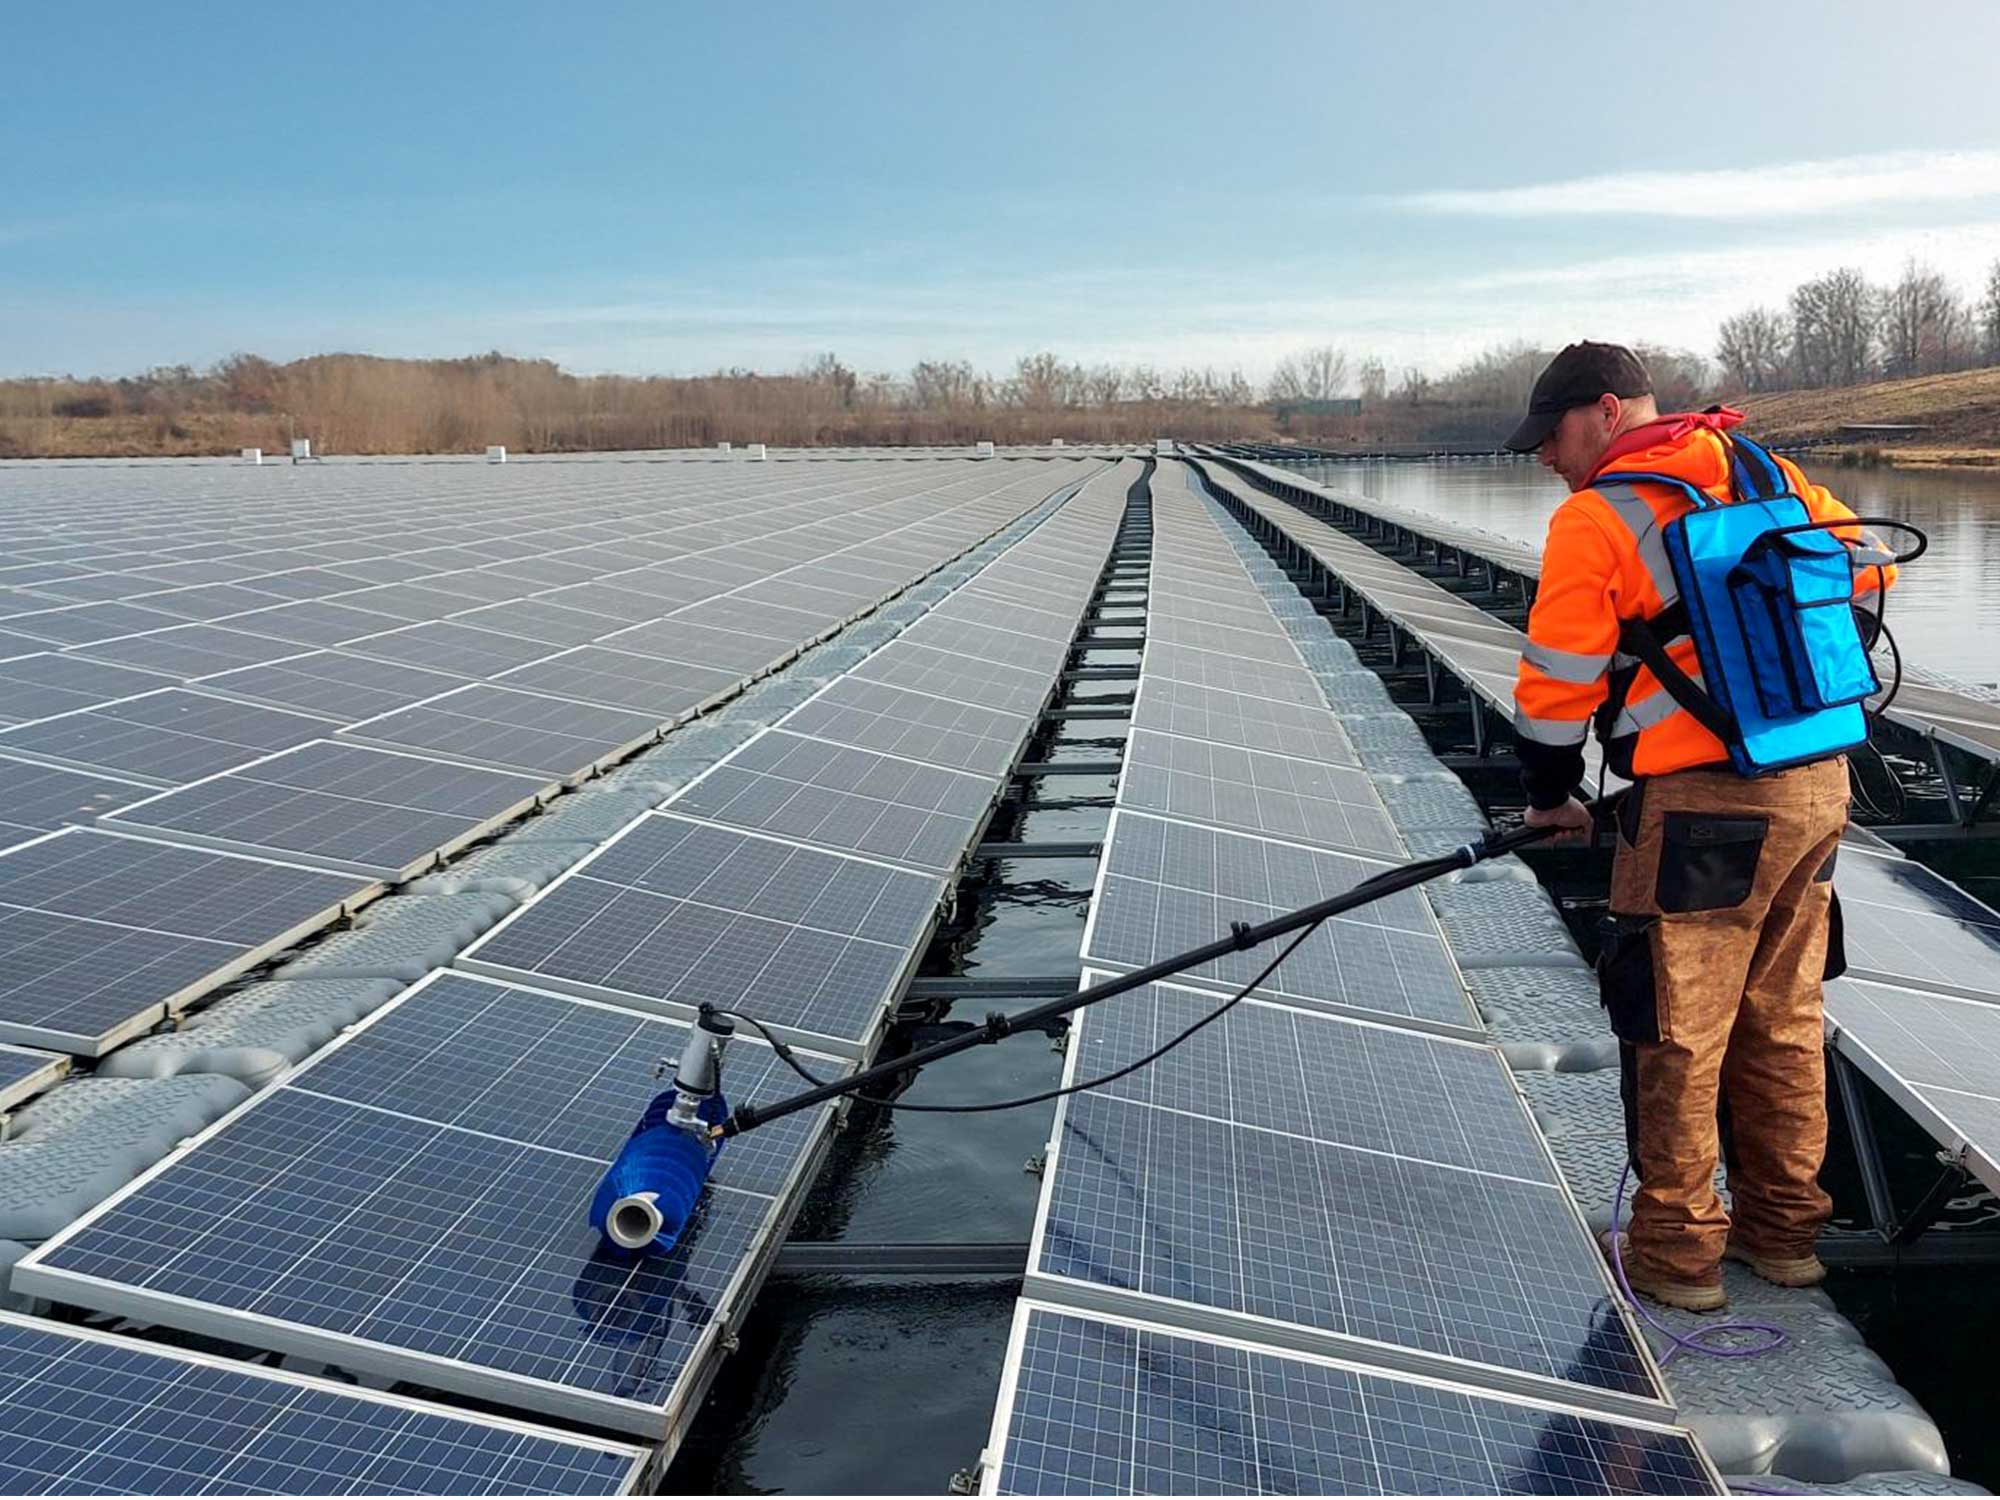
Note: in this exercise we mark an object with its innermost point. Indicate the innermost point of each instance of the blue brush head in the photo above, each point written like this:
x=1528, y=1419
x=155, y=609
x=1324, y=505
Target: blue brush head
x=650, y=1191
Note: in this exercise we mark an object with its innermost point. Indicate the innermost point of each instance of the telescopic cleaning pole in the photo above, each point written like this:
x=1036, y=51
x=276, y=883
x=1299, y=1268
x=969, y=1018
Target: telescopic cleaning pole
x=1242, y=936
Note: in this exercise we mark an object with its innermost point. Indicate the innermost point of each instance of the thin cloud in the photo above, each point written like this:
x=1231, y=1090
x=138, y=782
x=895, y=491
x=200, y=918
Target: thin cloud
x=1789, y=190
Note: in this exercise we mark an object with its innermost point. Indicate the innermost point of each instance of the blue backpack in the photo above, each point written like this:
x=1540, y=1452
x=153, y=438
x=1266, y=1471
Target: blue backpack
x=1769, y=599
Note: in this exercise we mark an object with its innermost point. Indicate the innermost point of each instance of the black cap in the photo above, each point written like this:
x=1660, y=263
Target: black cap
x=1577, y=377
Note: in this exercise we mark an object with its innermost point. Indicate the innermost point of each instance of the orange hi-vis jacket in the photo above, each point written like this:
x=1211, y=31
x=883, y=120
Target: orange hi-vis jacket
x=1605, y=563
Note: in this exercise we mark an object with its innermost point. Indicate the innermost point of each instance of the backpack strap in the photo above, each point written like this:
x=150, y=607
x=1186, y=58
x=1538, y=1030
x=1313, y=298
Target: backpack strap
x=1638, y=638
x=1753, y=473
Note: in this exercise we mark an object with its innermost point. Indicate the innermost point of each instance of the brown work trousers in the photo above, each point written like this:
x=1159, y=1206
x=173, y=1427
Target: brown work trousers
x=1713, y=954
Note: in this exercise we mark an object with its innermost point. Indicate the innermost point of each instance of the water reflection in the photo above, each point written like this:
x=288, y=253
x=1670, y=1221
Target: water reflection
x=1946, y=612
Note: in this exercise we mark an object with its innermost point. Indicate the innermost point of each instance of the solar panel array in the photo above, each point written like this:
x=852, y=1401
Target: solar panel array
x=799, y=877
x=1920, y=1009
x=1320, y=1245
x=411, y=1201
x=85, y=1413
x=361, y=668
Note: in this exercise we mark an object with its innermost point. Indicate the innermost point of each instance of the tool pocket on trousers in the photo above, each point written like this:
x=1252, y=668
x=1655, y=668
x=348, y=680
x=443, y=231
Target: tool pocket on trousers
x=1625, y=976
x=1708, y=863
x=1836, y=939
x=1629, y=808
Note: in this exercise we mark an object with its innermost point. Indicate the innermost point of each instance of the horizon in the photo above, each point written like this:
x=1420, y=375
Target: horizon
x=682, y=193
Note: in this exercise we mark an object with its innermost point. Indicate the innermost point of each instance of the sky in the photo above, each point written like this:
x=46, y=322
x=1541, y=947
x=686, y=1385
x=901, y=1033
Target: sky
x=660, y=188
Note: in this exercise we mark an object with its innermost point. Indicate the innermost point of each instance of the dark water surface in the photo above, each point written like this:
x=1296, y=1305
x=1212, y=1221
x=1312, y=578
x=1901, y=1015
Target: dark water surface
x=1946, y=611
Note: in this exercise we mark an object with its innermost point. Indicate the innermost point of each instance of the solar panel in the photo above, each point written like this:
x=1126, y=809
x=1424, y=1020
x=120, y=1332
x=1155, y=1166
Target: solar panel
x=539, y=620
x=1214, y=669
x=1909, y=925
x=672, y=912
x=36, y=798
x=900, y=721
x=84, y=624
x=25, y=1072
x=840, y=798
x=345, y=689
x=101, y=936
x=447, y=646
x=1318, y=1077
x=45, y=685
x=1254, y=792
x=168, y=738
x=1029, y=653
x=624, y=679
x=85, y=1412
x=345, y=807
x=514, y=731
x=190, y=650
x=361, y=1212
x=1938, y=1055
x=963, y=679
x=1166, y=887
x=738, y=651
x=314, y=622
x=1100, y=1405
x=1231, y=718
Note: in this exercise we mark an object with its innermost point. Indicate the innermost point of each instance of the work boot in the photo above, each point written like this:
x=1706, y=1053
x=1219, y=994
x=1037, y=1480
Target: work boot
x=1797, y=1270
x=1689, y=1296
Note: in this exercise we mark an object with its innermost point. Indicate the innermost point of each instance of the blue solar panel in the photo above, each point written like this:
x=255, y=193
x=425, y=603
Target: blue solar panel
x=1167, y=887
x=92, y=1414
x=412, y=1203
x=1094, y=1406
x=25, y=1072
x=1480, y=1270
x=678, y=911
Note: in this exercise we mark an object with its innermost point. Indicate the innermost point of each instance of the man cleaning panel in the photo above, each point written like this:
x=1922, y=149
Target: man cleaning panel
x=1721, y=900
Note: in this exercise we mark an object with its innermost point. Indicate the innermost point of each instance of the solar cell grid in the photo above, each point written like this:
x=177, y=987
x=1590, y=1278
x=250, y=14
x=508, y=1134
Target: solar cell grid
x=1251, y=791
x=100, y=935
x=513, y=731
x=989, y=643
x=447, y=646
x=947, y=674
x=190, y=650
x=168, y=737
x=1096, y=1405
x=86, y=624
x=333, y=685
x=1242, y=719
x=844, y=799
x=1908, y=925
x=43, y=684
x=539, y=620
x=83, y=1412
x=36, y=798
x=1167, y=887
x=674, y=912
x=313, y=622
x=919, y=726
x=702, y=646
x=25, y=1072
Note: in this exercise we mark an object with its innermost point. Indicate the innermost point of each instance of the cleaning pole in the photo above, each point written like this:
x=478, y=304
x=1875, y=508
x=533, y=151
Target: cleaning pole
x=1242, y=936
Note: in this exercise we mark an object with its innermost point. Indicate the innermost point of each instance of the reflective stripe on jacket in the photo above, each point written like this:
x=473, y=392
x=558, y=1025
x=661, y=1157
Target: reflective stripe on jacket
x=1606, y=562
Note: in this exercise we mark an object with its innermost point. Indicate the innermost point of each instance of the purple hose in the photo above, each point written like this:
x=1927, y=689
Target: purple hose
x=1687, y=1343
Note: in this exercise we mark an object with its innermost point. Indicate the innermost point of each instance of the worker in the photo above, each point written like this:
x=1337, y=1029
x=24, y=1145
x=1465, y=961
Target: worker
x=1722, y=921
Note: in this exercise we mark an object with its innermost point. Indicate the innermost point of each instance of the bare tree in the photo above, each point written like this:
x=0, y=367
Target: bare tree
x=943, y=385
x=1751, y=349
x=1042, y=382
x=1374, y=380
x=1924, y=326
x=1104, y=385
x=1416, y=387
x=1318, y=374
x=1989, y=317
x=828, y=372
x=1833, y=328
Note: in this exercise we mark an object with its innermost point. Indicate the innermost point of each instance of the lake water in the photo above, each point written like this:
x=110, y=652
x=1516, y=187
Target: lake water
x=1945, y=613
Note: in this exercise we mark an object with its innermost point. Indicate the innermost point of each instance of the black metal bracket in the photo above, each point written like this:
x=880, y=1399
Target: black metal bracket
x=946, y=1258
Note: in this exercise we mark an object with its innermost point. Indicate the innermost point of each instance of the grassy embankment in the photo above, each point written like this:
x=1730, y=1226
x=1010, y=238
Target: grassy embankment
x=1961, y=415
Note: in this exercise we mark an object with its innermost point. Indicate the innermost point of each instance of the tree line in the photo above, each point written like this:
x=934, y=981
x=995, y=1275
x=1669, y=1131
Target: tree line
x=1839, y=329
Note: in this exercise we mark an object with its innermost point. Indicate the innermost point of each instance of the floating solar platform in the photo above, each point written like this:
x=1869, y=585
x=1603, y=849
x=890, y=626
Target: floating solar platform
x=411, y=1202
x=1103, y=1405
x=672, y=912
x=343, y=807
x=1165, y=887
x=25, y=1072
x=847, y=800
x=36, y=798
x=87, y=1412
x=103, y=935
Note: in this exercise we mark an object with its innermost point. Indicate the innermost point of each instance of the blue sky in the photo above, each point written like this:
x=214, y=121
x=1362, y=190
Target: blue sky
x=665, y=188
